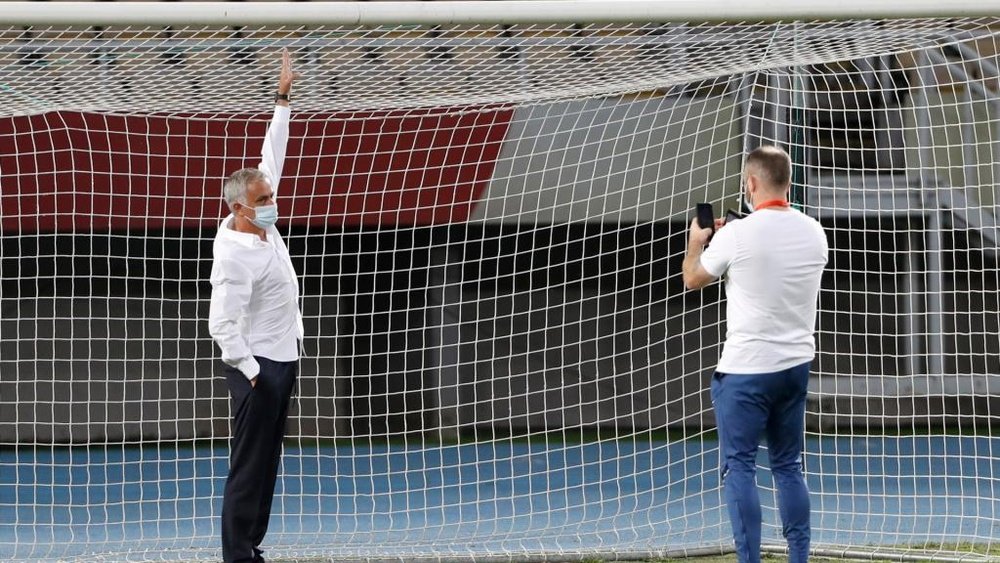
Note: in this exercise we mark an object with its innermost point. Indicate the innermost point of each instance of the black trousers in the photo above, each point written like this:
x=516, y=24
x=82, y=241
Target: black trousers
x=259, y=415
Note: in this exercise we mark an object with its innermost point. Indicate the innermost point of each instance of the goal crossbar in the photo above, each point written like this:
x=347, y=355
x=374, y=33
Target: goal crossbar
x=488, y=224
x=472, y=12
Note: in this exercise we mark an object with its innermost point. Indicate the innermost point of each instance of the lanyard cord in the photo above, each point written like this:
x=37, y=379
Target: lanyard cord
x=771, y=203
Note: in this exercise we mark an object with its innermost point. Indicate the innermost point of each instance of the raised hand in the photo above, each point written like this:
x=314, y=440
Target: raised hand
x=287, y=76
x=698, y=237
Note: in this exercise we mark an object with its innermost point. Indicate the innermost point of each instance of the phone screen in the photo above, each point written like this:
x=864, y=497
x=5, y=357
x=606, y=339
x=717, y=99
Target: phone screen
x=706, y=217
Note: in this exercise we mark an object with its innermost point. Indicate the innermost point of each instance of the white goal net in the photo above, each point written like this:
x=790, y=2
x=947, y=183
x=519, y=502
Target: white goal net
x=488, y=222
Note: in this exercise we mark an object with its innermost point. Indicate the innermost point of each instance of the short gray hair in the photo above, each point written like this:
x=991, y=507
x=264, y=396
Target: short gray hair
x=773, y=164
x=234, y=189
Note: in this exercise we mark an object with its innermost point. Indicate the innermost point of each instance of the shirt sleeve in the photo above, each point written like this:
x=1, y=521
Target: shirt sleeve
x=824, y=244
x=231, y=291
x=721, y=252
x=275, y=142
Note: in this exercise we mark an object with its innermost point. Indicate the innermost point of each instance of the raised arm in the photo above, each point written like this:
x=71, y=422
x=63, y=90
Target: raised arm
x=694, y=273
x=276, y=140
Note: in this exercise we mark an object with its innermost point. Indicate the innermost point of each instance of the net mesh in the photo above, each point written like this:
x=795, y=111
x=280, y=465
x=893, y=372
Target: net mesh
x=488, y=221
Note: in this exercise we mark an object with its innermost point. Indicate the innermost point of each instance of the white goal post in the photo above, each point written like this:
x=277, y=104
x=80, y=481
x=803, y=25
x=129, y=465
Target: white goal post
x=486, y=204
x=492, y=12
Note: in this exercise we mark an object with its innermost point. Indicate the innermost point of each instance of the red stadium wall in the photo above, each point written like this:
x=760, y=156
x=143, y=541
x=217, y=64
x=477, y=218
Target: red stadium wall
x=87, y=172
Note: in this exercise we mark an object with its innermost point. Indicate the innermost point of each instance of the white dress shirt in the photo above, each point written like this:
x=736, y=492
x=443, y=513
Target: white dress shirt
x=255, y=290
x=773, y=261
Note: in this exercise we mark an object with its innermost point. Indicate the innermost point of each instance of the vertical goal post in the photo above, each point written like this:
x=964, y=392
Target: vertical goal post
x=486, y=204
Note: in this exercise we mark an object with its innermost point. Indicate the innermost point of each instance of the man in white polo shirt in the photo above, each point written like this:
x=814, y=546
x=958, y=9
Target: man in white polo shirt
x=254, y=318
x=773, y=260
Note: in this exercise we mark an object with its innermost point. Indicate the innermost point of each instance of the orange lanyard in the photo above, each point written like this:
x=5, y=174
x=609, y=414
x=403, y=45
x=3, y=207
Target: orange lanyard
x=771, y=203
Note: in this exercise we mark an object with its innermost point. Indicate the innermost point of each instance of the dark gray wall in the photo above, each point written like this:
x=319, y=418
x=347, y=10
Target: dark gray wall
x=447, y=332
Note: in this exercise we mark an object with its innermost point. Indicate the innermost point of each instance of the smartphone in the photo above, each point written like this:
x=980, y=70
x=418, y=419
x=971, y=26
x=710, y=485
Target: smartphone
x=732, y=216
x=706, y=216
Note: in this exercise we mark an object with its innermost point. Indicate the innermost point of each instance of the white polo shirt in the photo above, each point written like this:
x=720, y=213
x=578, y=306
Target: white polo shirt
x=773, y=260
x=255, y=291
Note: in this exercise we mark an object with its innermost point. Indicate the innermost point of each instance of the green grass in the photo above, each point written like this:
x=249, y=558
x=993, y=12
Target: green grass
x=721, y=559
x=969, y=548
x=949, y=548
x=732, y=559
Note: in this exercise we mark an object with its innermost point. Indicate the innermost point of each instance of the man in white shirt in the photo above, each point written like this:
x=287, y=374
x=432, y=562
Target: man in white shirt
x=254, y=318
x=773, y=261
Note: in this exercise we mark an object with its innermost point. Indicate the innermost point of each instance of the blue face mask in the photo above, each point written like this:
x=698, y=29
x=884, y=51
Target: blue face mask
x=266, y=215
